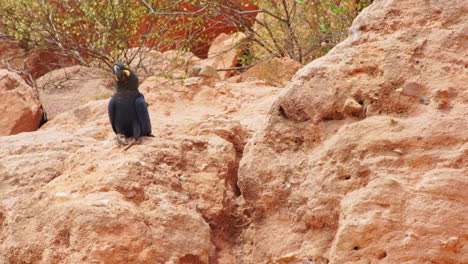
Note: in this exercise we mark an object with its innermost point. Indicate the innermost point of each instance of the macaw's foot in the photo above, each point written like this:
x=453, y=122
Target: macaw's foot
x=121, y=139
x=133, y=141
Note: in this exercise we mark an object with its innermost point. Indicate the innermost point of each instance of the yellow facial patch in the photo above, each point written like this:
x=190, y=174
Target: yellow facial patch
x=127, y=72
x=116, y=78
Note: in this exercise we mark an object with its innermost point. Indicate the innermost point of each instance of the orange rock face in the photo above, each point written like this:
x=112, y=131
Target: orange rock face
x=68, y=194
x=360, y=159
x=364, y=158
x=224, y=52
x=20, y=110
x=10, y=49
x=34, y=62
x=67, y=88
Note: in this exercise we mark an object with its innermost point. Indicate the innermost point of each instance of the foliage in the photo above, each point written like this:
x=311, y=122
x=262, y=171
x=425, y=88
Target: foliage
x=111, y=30
x=300, y=29
x=105, y=30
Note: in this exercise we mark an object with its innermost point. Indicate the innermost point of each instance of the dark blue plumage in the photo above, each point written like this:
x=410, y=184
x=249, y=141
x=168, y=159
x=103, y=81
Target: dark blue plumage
x=143, y=115
x=128, y=111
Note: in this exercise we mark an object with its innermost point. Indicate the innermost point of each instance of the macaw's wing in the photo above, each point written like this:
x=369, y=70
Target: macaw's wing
x=143, y=115
x=111, y=111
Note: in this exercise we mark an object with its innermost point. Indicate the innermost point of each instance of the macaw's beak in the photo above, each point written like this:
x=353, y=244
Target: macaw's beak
x=119, y=74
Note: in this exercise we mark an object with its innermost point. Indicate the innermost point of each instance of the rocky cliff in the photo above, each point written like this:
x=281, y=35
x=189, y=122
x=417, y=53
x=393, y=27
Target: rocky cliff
x=362, y=158
x=69, y=194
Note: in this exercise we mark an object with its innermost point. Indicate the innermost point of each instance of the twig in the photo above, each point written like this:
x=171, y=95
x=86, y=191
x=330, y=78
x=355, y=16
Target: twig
x=255, y=12
x=31, y=79
x=173, y=5
x=154, y=13
x=7, y=36
x=236, y=68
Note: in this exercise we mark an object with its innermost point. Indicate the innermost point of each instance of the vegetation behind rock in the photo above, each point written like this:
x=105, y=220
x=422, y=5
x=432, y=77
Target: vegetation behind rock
x=105, y=31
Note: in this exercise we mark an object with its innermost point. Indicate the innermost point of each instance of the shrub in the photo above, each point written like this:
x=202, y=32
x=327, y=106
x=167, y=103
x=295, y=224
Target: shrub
x=86, y=30
x=300, y=29
x=107, y=30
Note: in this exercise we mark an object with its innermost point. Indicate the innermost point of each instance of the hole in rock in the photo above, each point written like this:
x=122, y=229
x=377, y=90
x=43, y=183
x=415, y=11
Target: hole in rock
x=237, y=190
x=44, y=118
x=382, y=255
x=356, y=248
x=282, y=112
x=333, y=116
x=2, y=218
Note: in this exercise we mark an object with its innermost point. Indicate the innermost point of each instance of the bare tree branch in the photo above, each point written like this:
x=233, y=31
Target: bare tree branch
x=32, y=82
x=235, y=68
x=154, y=13
x=7, y=36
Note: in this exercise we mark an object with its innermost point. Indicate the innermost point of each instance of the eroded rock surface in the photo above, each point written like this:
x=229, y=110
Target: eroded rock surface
x=363, y=159
x=69, y=194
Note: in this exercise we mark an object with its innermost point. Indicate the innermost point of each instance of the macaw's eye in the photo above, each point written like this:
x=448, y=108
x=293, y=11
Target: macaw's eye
x=127, y=72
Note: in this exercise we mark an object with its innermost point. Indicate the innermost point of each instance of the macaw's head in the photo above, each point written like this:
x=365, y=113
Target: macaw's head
x=125, y=78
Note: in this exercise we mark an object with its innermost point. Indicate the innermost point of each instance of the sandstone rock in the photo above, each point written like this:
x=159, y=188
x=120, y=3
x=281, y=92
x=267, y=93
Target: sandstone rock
x=197, y=83
x=235, y=79
x=276, y=71
x=9, y=50
x=35, y=62
x=224, y=52
x=192, y=81
x=328, y=182
x=98, y=209
x=68, y=194
x=64, y=89
x=19, y=107
x=351, y=107
x=168, y=63
x=205, y=71
x=344, y=167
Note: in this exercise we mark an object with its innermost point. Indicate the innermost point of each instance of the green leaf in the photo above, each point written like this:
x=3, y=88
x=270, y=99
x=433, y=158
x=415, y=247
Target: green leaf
x=323, y=27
